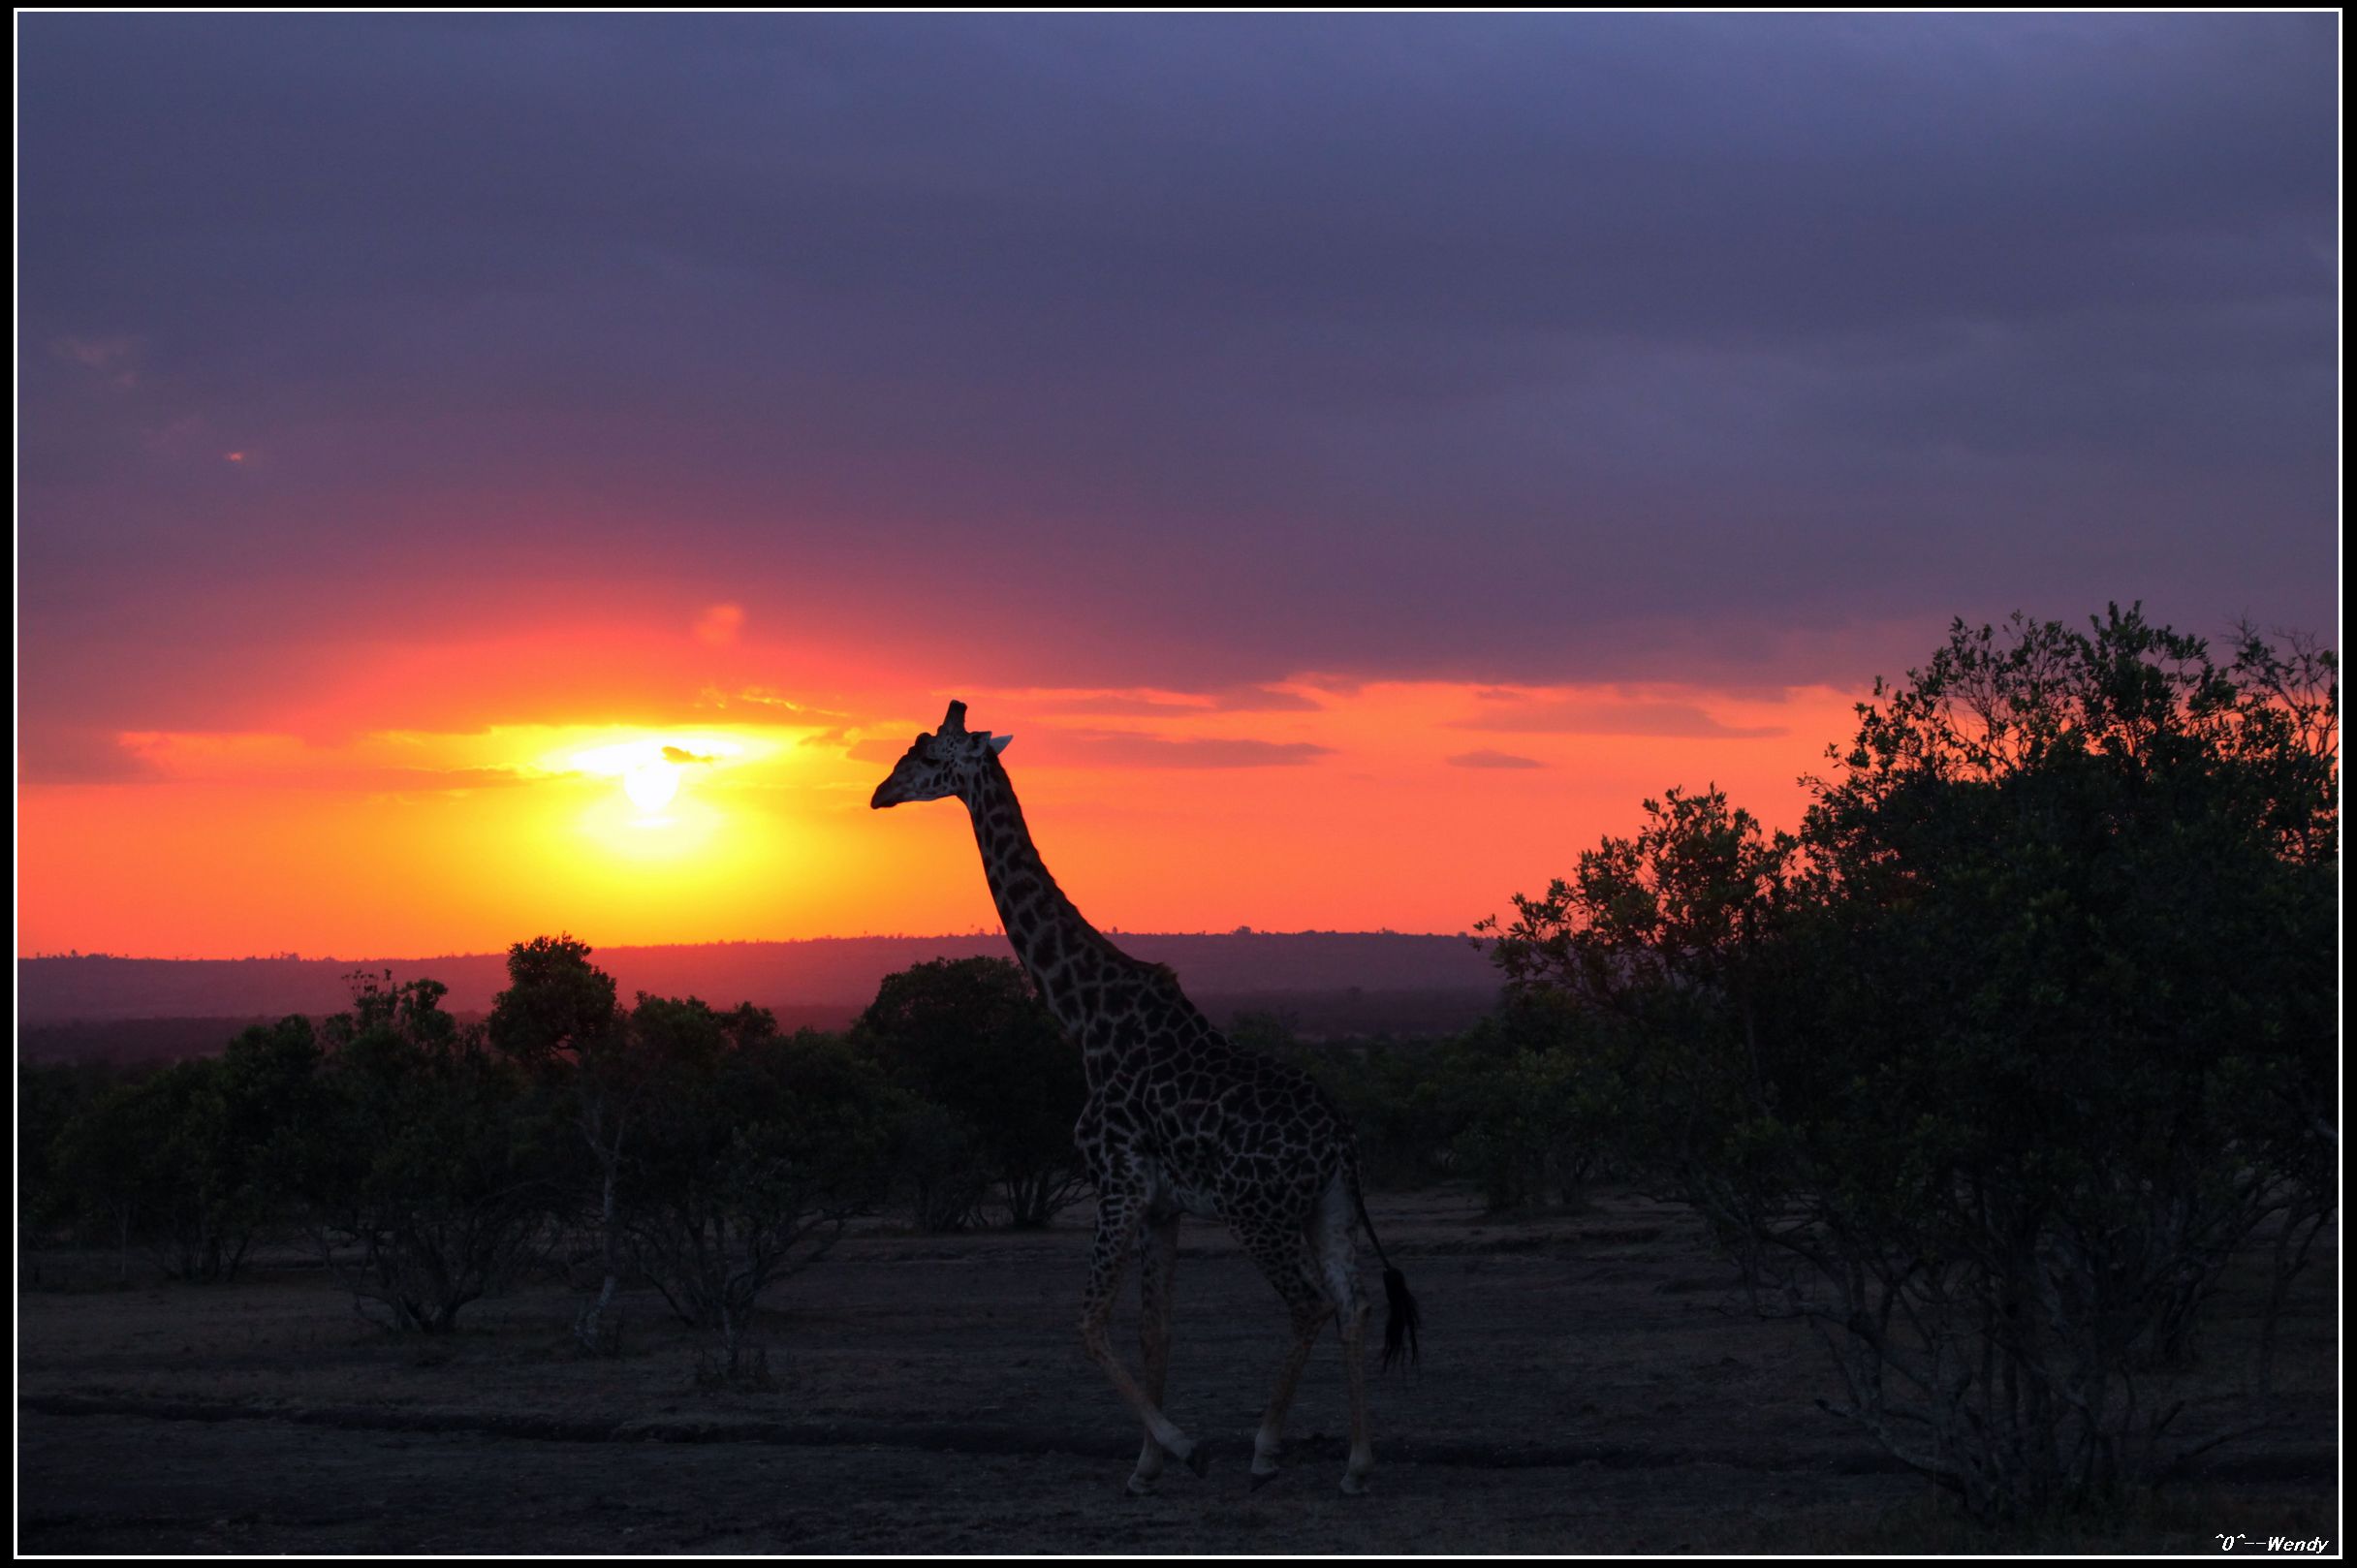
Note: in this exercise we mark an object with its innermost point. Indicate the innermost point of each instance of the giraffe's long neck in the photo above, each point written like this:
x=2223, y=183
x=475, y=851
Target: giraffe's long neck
x=1057, y=947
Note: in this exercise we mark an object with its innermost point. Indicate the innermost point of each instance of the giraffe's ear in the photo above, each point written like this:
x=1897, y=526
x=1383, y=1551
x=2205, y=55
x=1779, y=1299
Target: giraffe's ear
x=999, y=743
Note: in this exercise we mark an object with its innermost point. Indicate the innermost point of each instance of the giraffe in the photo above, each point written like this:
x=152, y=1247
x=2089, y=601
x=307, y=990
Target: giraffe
x=1178, y=1122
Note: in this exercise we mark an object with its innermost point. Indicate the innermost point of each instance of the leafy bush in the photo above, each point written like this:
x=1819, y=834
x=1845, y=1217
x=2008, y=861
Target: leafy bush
x=431, y=1159
x=756, y=1150
x=558, y=1020
x=1990, y=1070
x=970, y=1039
x=1524, y=1104
x=557, y=1003
x=192, y=1160
x=942, y=1170
x=49, y=1095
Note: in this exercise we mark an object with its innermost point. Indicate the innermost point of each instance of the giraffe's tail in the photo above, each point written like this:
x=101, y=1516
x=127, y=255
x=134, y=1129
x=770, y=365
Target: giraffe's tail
x=1402, y=1316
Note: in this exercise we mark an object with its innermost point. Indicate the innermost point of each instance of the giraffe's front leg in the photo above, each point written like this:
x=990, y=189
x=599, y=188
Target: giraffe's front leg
x=1120, y=1220
x=1155, y=1262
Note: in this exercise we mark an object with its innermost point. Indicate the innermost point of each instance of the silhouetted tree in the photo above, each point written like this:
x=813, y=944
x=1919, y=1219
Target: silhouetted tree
x=1530, y=1102
x=1993, y=1067
x=109, y=1162
x=431, y=1160
x=970, y=1037
x=557, y=1017
x=754, y=1152
x=193, y=1159
x=51, y=1181
x=49, y=1095
x=557, y=1003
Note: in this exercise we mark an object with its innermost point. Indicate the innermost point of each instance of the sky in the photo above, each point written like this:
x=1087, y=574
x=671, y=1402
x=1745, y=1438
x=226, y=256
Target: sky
x=1358, y=458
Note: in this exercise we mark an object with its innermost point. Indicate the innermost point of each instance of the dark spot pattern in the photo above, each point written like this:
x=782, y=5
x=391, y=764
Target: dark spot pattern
x=1179, y=1119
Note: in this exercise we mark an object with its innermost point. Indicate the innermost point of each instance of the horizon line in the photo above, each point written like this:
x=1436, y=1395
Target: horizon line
x=72, y=955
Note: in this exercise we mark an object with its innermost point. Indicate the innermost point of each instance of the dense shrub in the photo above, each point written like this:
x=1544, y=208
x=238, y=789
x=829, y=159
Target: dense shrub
x=707, y=1156
x=1525, y=1105
x=428, y=1171
x=756, y=1150
x=1991, y=1068
x=192, y=1161
x=558, y=1020
x=941, y=1170
x=558, y=1004
x=999, y=1088
x=49, y=1095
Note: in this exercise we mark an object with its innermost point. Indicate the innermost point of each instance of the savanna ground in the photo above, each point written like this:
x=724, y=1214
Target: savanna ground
x=1592, y=1382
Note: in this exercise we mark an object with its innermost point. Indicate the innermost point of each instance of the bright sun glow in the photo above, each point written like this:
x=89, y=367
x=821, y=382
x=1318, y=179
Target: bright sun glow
x=664, y=810
x=650, y=785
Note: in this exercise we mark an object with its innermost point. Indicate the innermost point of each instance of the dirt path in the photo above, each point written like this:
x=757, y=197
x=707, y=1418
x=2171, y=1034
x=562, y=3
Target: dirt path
x=275, y=1486
x=1590, y=1385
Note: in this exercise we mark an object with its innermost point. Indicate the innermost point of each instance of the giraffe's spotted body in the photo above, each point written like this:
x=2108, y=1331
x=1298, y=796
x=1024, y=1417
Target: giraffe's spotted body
x=1178, y=1122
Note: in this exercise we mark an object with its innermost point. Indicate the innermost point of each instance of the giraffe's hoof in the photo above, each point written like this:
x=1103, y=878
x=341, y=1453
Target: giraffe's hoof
x=1261, y=1477
x=1354, y=1485
x=1143, y=1486
x=1199, y=1458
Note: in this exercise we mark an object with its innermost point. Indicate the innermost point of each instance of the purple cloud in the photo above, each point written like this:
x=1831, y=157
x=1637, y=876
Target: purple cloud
x=1573, y=716
x=1675, y=349
x=1122, y=748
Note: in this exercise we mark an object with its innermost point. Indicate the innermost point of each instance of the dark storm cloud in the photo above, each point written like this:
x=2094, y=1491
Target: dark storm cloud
x=1176, y=352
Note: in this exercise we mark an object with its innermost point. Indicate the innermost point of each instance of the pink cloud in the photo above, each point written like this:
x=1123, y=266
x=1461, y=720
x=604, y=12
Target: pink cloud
x=1579, y=716
x=1486, y=758
x=1128, y=748
x=718, y=626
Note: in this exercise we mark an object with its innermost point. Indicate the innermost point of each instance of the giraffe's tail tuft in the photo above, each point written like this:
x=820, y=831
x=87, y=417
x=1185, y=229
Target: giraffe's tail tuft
x=1401, y=1318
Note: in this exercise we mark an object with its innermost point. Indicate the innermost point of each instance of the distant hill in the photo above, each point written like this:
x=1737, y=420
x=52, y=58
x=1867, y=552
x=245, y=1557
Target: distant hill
x=815, y=980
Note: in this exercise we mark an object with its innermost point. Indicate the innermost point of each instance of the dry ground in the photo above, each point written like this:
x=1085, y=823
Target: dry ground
x=1591, y=1383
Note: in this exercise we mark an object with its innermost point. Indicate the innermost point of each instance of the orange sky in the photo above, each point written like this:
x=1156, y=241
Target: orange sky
x=354, y=825
x=1210, y=403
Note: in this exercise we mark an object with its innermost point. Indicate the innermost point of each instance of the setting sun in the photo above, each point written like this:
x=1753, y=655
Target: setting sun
x=650, y=785
x=650, y=766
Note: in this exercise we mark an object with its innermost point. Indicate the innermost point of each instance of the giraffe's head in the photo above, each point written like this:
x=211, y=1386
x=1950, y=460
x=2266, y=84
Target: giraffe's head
x=941, y=763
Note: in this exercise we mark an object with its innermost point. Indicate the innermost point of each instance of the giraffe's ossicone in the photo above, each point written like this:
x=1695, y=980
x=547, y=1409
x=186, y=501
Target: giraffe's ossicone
x=1178, y=1121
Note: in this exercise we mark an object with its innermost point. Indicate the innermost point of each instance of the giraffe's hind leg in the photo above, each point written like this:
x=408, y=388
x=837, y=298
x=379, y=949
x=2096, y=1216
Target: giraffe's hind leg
x=1335, y=1238
x=1292, y=1268
x=1120, y=1221
x=1155, y=1262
